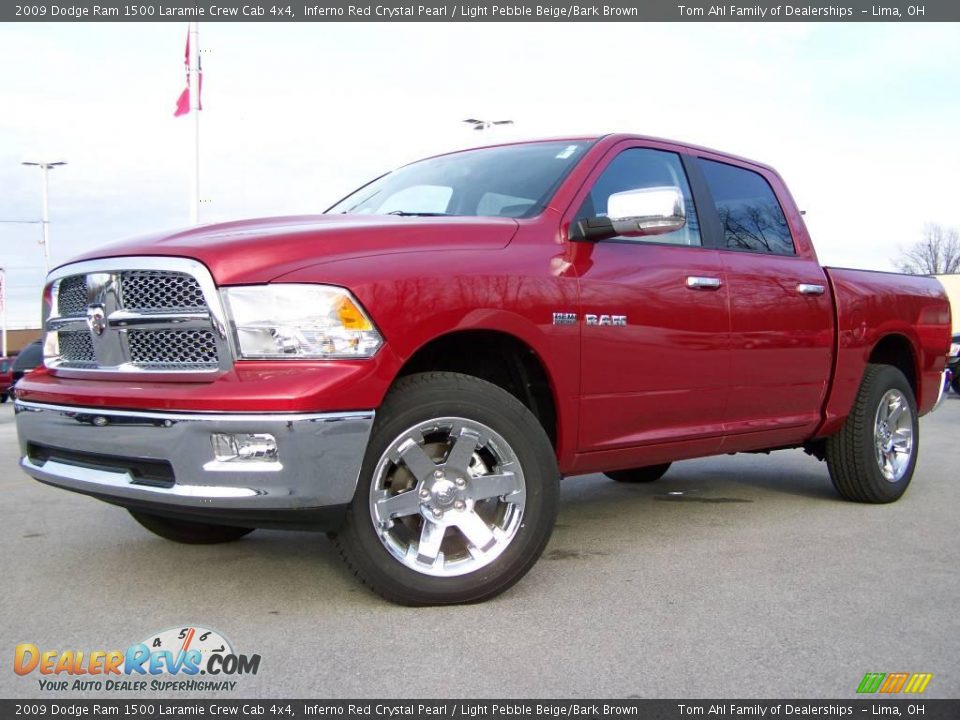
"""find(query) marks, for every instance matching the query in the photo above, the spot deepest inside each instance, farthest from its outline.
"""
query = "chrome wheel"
(893, 435)
(447, 496)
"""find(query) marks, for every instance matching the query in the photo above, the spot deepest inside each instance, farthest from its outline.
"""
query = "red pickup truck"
(414, 370)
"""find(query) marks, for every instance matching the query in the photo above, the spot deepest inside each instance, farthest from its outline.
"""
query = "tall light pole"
(46, 167)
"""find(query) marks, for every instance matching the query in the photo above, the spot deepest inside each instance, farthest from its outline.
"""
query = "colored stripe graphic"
(918, 682)
(893, 683)
(871, 682)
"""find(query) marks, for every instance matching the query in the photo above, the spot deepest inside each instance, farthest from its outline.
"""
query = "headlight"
(300, 321)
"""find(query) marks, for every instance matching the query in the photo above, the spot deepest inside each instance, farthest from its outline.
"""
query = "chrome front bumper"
(85, 449)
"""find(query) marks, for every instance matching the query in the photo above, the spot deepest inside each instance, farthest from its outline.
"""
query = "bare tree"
(938, 253)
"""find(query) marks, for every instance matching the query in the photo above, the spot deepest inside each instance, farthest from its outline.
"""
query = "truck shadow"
(280, 574)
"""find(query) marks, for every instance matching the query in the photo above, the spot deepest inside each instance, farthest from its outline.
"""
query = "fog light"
(244, 447)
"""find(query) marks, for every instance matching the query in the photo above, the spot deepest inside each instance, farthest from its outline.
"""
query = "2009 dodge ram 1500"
(415, 369)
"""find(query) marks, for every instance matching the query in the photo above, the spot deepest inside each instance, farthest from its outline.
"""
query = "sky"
(861, 119)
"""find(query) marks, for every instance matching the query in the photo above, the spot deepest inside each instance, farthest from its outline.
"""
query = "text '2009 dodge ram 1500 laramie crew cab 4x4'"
(414, 370)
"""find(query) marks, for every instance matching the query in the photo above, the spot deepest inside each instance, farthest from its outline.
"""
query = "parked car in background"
(6, 377)
(29, 358)
(953, 363)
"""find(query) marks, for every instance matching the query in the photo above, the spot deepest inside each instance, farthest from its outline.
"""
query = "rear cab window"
(751, 217)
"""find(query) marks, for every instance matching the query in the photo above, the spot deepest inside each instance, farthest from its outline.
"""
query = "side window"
(750, 214)
(637, 169)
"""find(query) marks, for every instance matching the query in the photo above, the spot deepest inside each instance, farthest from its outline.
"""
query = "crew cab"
(414, 370)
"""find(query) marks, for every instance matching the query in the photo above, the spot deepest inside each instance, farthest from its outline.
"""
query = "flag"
(183, 102)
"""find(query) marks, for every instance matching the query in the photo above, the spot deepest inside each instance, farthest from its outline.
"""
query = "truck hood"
(257, 251)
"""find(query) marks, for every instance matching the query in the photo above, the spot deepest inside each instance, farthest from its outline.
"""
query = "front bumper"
(164, 462)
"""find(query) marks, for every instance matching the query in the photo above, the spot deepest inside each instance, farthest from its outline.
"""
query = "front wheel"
(190, 533)
(873, 456)
(457, 495)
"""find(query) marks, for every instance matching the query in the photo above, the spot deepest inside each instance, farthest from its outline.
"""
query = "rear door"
(654, 319)
(781, 313)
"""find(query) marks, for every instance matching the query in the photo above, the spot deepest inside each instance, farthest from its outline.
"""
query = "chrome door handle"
(703, 283)
(807, 289)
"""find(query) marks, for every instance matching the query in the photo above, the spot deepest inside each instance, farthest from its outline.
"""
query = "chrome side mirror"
(635, 213)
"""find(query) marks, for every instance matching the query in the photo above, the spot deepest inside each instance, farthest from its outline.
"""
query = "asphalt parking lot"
(755, 581)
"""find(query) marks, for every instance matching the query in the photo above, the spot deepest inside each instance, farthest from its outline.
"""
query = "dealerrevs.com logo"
(190, 658)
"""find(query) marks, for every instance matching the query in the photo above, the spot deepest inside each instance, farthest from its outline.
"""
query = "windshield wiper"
(404, 213)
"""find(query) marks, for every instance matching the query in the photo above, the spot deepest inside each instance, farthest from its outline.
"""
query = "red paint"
(751, 365)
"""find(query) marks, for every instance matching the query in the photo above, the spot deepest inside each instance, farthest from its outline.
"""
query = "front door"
(654, 358)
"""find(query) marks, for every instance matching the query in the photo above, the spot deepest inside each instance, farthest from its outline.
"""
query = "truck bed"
(870, 304)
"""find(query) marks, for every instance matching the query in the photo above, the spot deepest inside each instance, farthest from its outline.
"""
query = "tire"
(4, 397)
(955, 382)
(418, 531)
(650, 473)
(187, 532)
(873, 456)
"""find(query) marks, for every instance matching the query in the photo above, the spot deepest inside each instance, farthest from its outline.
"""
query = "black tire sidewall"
(447, 395)
(888, 378)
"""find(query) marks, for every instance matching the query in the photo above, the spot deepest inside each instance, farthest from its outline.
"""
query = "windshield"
(508, 181)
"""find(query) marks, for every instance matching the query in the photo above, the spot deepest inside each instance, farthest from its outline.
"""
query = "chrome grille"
(147, 290)
(72, 299)
(146, 314)
(173, 348)
(76, 347)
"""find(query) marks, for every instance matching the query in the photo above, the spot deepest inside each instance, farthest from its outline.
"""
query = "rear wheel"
(457, 496)
(190, 533)
(650, 473)
(872, 458)
(955, 382)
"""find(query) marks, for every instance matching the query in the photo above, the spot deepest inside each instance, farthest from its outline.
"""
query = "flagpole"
(195, 109)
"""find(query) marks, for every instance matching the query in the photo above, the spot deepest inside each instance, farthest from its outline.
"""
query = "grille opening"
(173, 348)
(146, 290)
(76, 346)
(154, 473)
(72, 296)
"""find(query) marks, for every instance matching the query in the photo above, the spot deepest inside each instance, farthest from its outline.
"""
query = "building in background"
(18, 339)
(951, 283)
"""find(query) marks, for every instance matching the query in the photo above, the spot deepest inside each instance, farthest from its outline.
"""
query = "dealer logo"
(892, 683)
(181, 653)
